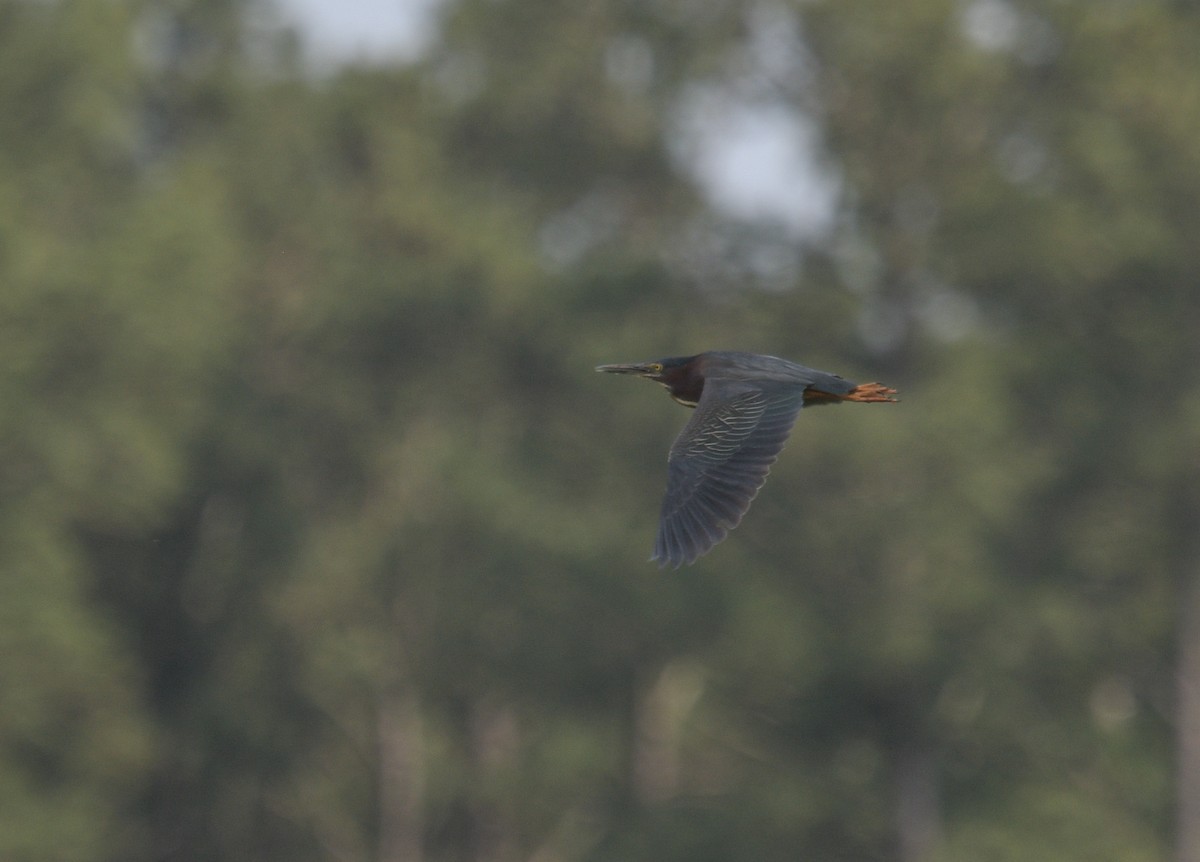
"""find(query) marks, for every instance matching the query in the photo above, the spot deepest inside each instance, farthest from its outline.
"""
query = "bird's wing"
(718, 463)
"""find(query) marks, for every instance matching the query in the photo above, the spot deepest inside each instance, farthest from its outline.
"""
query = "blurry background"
(320, 539)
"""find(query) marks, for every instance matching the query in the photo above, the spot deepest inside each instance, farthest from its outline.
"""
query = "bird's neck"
(684, 385)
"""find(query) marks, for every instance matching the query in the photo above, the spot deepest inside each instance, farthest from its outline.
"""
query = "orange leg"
(870, 392)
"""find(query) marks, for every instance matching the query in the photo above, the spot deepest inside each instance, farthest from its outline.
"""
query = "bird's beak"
(633, 368)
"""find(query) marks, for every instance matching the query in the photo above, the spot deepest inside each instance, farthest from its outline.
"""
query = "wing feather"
(719, 461)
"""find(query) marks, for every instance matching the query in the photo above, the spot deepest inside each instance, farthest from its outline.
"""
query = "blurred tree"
(98, 373)
(318, 545)
(1019, 176)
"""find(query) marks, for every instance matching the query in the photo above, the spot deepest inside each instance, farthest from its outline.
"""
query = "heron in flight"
(745, 406)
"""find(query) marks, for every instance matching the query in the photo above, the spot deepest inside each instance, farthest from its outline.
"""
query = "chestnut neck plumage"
(683, 379)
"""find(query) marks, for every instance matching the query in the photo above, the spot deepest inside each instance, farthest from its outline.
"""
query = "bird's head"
(661, 370)
(681, 375)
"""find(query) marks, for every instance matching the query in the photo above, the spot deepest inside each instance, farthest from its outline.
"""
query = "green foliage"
(320, 540)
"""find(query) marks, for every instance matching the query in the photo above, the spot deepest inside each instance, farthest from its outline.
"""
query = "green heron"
(745, 406)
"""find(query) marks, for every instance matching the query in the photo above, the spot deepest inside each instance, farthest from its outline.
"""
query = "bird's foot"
(870, 392)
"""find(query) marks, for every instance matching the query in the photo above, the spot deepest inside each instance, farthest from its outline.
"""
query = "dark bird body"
(745, 406)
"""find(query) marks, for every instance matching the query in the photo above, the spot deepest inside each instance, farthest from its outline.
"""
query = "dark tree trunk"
(918, 809)
(401, 778)
(1187, 726)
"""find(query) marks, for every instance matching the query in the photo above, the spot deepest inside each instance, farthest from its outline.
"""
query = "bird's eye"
(656, 367)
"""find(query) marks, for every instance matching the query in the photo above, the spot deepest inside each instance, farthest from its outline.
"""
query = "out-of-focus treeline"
(320, 539)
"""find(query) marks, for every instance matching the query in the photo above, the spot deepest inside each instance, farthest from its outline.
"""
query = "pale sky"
(337, 30)
(756, 162)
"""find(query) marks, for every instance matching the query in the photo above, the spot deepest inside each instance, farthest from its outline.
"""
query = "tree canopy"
(320, 540)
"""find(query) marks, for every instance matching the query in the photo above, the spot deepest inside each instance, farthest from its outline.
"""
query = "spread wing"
(718, 463)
